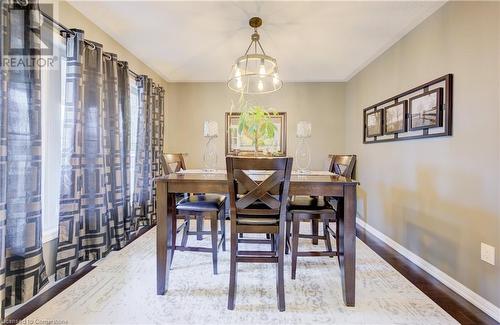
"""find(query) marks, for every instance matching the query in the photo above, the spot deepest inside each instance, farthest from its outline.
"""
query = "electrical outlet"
(488, 253)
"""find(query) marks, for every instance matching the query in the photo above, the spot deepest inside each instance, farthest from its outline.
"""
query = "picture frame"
(239, 145)
(395, 118)
(425, 110)
(374, 123)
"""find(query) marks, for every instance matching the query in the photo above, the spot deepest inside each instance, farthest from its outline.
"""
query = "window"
(53, 91)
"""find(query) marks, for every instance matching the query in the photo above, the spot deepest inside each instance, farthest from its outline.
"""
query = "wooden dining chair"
(343, 165)
(258, 206)
(199, 206)
(316, 209)
(173, 163)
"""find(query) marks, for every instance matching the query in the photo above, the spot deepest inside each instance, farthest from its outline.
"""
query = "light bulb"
(276, 79)
(262, 70)
(260, 85)
(237, 72)
(238, 83)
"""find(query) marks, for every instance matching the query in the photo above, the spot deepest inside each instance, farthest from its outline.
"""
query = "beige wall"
(190, 104)
(439, 197)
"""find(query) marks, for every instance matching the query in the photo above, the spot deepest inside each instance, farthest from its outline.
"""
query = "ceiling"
(312, 41)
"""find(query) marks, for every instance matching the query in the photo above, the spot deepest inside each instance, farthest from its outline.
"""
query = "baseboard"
(486, 306)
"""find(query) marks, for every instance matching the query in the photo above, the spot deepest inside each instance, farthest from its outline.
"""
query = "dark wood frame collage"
(444, 97)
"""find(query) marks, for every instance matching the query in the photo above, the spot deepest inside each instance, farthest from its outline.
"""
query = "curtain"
(115, 150)
(125, 147)
(95, 194)
(149, 148)
(22, 268)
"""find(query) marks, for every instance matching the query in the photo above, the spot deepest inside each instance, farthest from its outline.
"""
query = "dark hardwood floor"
(459, 308)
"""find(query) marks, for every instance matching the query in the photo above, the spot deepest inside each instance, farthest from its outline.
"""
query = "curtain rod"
(69, 31)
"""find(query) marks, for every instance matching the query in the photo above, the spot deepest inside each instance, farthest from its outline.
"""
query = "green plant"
(256, 123)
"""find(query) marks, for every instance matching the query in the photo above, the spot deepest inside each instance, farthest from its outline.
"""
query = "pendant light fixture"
(257, 72)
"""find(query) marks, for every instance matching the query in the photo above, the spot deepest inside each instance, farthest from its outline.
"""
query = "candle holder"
(210, 132)
(303, 152)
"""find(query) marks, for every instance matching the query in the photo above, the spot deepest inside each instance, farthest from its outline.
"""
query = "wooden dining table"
(342, 188)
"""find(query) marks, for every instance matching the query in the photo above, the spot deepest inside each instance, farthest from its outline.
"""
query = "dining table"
(313, 183)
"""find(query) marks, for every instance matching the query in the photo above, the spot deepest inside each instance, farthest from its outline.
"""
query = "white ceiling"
(312, 41)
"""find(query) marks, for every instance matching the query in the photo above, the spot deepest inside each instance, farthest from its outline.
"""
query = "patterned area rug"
(122, 290)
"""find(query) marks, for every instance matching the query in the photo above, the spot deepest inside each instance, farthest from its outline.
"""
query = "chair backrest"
(267, 190)
(172, 162)
(343, 165)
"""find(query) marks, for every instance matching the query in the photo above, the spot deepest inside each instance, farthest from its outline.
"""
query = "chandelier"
(257, 72)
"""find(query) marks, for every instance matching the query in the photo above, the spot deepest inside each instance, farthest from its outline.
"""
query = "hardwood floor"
(459, 308)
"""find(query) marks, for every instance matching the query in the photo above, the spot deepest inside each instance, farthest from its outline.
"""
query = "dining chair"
(173, 163)
(258, 206)
(199, 206)
(316, 209)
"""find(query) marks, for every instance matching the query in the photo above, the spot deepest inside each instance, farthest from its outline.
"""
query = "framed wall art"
(374, 123)
(240, 144)
(424, 111)
(395, 117)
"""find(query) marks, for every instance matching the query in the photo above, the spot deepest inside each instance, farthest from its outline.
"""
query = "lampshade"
(255, 73)
(210, 129)
(304, 129)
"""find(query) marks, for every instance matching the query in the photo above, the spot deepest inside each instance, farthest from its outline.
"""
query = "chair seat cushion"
(256, 220)
(201, 202)
(310, 204)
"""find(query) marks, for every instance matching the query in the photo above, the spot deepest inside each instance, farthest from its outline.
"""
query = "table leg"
(346, 217)
(314, 231)
(163, 239)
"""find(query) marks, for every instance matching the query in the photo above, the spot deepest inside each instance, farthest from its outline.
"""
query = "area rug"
(122, 290)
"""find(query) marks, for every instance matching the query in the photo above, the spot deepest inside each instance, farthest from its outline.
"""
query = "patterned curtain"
(22, 269)
(94, 204)
(148, 150)
(115, 153)
(125, 147)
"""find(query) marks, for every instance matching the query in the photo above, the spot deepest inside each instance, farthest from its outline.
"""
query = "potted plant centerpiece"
(256, 124)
